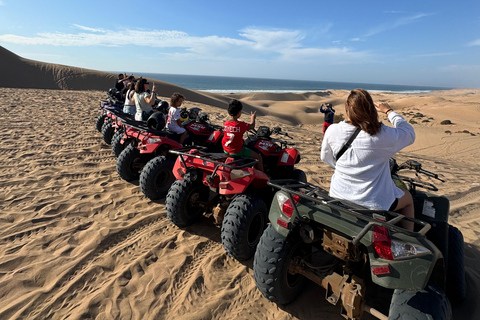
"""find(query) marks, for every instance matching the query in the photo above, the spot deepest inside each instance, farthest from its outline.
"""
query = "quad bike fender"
(288, 157)
(237, 182)
(198, 129)
(179, 169)
(215, 136)
(275, 217)
(162, 142)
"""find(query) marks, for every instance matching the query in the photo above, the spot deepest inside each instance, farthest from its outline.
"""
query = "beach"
(78, 242)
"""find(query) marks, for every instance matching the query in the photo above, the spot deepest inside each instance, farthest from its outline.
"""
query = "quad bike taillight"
(389, 249)
(287, 208)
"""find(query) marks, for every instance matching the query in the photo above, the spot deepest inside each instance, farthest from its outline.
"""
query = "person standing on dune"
(329, 112)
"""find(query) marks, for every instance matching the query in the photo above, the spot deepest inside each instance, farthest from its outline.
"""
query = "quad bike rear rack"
(141, 126)
(320, 196)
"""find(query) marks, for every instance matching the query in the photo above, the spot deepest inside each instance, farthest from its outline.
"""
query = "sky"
(409, 42)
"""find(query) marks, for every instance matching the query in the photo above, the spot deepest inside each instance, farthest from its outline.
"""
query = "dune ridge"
(77, 242)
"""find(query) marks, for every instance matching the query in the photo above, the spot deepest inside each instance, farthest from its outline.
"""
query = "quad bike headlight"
(402, 250)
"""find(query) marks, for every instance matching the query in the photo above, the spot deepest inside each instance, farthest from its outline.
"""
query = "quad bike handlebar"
(415, 182)
(266, 133)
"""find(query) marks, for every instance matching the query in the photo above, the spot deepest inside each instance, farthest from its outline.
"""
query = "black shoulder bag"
(347, 144)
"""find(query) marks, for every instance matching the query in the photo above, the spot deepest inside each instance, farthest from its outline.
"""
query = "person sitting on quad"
(129, 106)
(143, 100)
(234, 129)
(362, 174)
(119, 85)
(174, 123)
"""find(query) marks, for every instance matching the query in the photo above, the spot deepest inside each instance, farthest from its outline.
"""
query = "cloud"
(273, 39)
(474, 43)
(252, 43)
(88, 28)
(397, 23)
(438, 54)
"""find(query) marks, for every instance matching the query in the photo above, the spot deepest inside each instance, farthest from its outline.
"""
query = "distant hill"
(18, 72)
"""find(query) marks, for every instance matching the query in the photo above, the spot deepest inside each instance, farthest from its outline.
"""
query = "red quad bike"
(149, 142)
(113, 126)
(200, 130)
(231, 188)
(146, 156)
(117, 122)
(112, 102)
(156, 177)
(364, 259)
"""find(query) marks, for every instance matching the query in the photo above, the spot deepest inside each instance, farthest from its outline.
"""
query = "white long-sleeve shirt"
(362, 174)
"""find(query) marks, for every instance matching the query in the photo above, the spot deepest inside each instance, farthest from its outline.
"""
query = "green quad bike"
(363, 257)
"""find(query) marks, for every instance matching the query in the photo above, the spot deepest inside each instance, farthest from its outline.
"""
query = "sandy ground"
(77, 242)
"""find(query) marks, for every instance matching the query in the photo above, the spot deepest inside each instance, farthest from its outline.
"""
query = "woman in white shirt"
(143, 100)
(129, 106)
(362, 174)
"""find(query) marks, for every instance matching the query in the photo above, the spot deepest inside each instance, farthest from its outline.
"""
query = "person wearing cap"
(329, 112)
(143, 100)
(174, 123)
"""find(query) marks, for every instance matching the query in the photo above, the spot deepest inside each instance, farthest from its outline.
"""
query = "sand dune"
(77, 242)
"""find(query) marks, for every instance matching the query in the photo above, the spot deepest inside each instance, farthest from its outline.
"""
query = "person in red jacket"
(234, 129)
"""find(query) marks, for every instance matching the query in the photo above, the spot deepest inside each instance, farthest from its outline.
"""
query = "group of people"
(358, 148)
(140, 99)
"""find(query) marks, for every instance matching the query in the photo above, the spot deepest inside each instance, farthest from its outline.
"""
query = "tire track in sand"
(43, 305)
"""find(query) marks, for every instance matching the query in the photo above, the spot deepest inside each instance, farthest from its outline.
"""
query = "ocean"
(237, 85)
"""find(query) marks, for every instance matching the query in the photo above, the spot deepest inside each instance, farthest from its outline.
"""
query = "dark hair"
(120, 76)
(140, 85)
(234, 107)
(362, 112)
(175, 98)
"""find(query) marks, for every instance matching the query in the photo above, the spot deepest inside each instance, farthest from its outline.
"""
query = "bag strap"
(347, 144)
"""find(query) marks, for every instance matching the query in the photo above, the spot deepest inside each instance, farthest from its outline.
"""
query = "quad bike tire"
(117, 146)
(270, 267)
(428, 304)
(245, 219)
(181, 206)
(130, 163)
(157, 177)
(100, 121)
(107, 132)
(456, 285)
